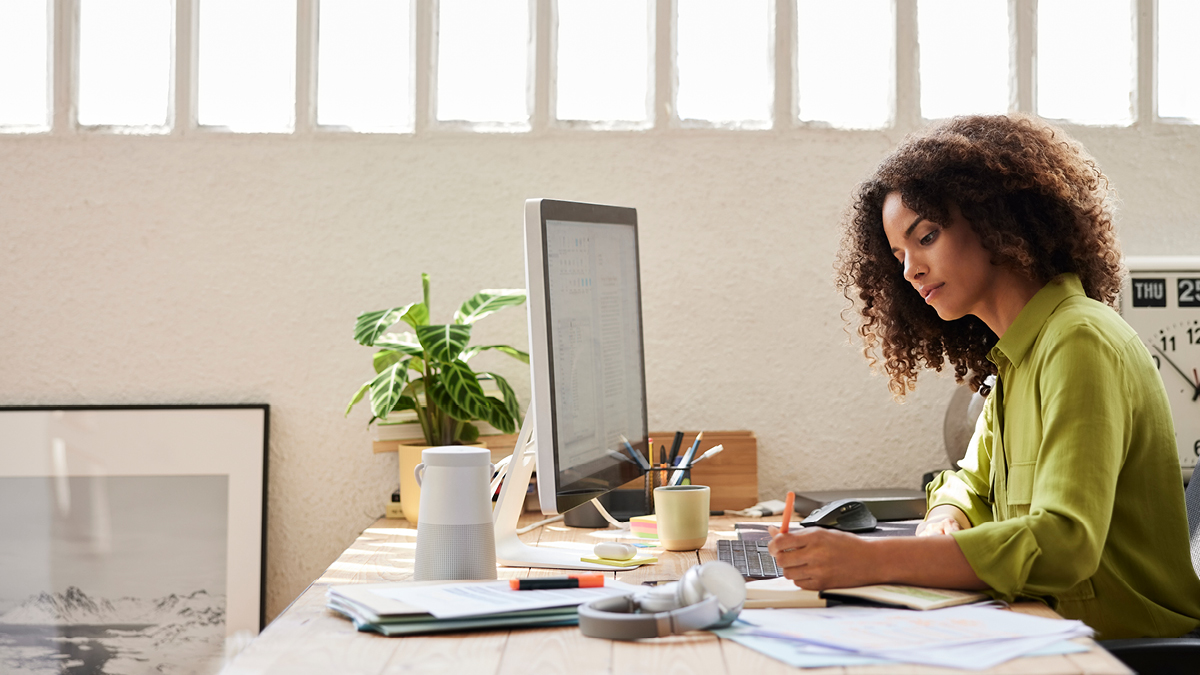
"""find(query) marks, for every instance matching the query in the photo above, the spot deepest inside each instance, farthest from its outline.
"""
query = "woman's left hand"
(816, 558)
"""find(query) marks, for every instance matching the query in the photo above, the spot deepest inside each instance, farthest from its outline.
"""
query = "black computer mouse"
(844, 514)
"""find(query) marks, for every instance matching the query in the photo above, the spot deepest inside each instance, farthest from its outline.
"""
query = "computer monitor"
(588, 413)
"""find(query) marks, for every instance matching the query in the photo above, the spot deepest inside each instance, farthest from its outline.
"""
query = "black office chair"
(1167, 656)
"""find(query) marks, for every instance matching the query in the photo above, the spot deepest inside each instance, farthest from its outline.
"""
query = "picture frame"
(132, 538)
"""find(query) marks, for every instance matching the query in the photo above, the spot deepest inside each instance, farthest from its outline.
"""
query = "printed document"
(958, 637)
(452, 601)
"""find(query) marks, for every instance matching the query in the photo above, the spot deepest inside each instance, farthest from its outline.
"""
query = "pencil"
(788, 505)
(675, 448)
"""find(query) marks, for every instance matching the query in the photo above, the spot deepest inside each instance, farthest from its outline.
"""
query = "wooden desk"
(307, 638)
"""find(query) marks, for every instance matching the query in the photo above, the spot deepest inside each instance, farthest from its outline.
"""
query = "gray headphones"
(708, 596)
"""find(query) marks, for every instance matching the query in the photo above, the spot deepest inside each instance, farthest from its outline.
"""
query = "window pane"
(723, 61)
(1179, 59)
(248, 65)
(24, 64)
(483, 60)
(844, 70)
(1085, 61)
(364, 65)
(603, 60)
(125, 62)
(964, 57)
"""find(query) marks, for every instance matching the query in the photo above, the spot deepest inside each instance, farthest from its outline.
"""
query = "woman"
(987, 244)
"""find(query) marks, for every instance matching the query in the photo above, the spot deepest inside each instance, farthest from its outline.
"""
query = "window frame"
(63, 66)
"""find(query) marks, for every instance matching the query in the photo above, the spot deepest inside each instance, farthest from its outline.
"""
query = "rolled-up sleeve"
(1062, 491)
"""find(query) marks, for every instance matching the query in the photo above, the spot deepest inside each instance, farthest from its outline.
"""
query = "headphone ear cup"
(691, 587)
(660, 598)
(726, 584)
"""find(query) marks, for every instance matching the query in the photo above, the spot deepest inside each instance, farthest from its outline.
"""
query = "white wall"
(222, 269)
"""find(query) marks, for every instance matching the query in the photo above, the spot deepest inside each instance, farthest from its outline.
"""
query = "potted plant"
(427, 370)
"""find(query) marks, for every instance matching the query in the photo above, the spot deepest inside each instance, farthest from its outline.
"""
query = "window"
(247, 68)
(483, 58)
(1179, 59)
(24, 65)
(603, 64)
(723, 60)
(964, 57)
(125, 62)
(1085, 61)
(364, 65)
(844, 62)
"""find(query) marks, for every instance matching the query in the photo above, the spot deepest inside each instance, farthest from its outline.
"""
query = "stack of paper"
(778, 593)
(961, 637)
(413, 607)
(644, 527)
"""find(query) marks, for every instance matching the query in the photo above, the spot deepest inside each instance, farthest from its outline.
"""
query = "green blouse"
(1072, 485)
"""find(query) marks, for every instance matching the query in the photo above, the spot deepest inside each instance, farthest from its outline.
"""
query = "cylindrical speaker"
(455, 551)
(455, 537)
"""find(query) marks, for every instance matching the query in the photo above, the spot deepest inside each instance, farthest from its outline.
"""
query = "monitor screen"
(589, 388)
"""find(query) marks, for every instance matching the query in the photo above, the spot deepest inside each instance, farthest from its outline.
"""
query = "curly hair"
(1035, 198)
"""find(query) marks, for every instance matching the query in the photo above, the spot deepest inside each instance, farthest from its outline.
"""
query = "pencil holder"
(660, 475)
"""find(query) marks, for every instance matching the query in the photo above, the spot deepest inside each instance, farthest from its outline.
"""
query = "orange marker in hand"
(788, 506)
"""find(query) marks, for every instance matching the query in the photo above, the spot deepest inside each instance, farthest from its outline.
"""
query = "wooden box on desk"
(732, 475)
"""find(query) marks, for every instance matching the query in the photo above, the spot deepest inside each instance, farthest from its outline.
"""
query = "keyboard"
(748, 557)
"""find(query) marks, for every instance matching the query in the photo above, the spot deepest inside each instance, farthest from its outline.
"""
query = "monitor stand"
(510, 550)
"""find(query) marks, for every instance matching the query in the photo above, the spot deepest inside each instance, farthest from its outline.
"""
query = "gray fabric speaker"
(455, 551)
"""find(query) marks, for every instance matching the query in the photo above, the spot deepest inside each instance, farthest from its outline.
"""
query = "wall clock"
(1161, 300)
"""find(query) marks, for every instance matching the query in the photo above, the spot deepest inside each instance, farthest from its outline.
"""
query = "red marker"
(594, 580)
(788, 505)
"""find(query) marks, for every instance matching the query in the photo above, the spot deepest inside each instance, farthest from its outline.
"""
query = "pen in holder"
(659, 475)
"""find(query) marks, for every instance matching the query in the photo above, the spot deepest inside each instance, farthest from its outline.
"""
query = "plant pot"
(410, 491)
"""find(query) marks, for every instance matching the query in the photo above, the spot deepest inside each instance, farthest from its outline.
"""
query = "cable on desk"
(530, 528)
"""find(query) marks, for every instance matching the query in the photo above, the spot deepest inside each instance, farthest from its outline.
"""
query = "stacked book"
(423, 607)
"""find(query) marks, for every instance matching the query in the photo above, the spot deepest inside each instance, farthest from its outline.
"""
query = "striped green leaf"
(511, 351)
(403, 342)
(487, 301)
(500, 417)
(358, 396)
(437, 392)
(458, 383)
(512, 407)
(386, 388)
(386, 358)
(370, 325)
(444, 343)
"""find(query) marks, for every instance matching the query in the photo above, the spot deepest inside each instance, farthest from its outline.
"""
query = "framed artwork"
(132, 538)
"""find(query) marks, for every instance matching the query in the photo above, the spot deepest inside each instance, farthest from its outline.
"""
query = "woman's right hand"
(928, 528)
(942, 519)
